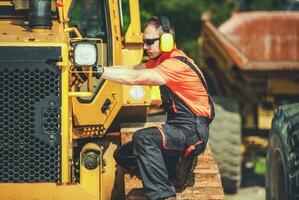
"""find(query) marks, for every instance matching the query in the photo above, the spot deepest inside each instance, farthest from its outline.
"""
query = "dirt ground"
(248, 193)
(252, 187)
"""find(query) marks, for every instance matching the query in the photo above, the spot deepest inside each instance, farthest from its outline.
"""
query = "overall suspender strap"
(187, 62)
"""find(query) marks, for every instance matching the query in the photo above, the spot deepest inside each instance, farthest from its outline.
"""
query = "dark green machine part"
(30, 104)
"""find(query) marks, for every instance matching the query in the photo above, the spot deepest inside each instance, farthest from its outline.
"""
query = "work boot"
(184, 176)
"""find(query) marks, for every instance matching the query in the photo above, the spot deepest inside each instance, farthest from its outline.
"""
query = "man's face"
(151, 43)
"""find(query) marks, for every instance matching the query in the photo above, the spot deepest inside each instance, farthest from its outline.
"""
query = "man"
(154, 152)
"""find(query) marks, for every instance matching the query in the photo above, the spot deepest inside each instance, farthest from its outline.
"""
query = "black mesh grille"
(29, 122)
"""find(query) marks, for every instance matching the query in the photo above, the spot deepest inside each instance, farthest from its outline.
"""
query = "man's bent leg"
(184, 176)
(126, 159)
(147, 147)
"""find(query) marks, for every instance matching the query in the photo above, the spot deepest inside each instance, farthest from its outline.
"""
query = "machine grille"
(29, 121)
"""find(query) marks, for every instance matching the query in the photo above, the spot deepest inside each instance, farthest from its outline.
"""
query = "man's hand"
(97, 71)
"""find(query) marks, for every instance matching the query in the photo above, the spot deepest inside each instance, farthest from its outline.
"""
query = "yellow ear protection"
(166, 39)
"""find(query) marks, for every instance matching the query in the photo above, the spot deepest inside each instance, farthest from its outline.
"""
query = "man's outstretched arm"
(120, 74)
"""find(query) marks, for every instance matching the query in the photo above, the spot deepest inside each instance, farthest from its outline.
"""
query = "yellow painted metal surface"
(265, 118)
(81, 94)
(108, 172)
(91, 114)
(132, 54)
(90, 180)
(133, 34)
(43, 191)
(14, 33)
(116, 32)
(136, 95)
(155, 93)
(99, 181)
(66, 142)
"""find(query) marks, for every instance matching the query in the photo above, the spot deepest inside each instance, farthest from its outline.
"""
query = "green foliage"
(185, 16)
(261, 5)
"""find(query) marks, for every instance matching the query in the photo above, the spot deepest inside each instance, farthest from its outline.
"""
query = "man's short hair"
(155, 21)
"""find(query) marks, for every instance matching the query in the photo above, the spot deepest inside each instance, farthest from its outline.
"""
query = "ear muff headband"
(166, 39)
(165, 24)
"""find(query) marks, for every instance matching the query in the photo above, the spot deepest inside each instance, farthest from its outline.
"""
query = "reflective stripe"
(192, 147)
(174, 106)
(163, 137)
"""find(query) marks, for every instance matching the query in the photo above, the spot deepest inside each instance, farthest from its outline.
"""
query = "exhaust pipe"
(39, 16)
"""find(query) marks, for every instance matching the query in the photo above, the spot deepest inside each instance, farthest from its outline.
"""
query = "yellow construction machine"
(55, 110)
(60, 122)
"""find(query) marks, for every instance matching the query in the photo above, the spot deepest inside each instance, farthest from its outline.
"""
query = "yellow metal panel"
(90, 180)
(108, 173)
(133, 35)
(133, 51)
(14, 33)
(132, 55)
(100, 181)
(66, 142)
(116, 32)
(136, 95)
(43, 191)
(91, 114)
(65, 9)
(264, 118)
(81, 94)
(155, 93)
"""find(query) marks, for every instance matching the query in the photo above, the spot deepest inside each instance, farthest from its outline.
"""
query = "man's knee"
(117, 155)
(123, 152)
(139, 137)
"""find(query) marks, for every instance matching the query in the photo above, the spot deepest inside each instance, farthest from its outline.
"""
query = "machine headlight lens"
(85, 54)
(137, 92)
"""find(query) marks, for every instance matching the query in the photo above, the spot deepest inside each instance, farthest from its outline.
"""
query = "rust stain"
(262, 40)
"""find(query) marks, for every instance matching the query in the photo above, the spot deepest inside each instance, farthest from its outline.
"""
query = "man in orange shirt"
(154, 152)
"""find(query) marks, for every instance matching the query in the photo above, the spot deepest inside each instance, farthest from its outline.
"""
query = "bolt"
(52, 103)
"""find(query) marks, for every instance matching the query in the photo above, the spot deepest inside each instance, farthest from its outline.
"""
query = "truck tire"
(225, 141)
(283, 154)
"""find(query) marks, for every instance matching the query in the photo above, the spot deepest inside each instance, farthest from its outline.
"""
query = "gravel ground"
(252, 187)
(248, 193)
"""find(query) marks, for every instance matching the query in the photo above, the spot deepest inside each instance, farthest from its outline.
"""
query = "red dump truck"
(251, 62)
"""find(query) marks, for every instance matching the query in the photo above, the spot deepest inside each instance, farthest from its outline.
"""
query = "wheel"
(283, 154)
(225, 141)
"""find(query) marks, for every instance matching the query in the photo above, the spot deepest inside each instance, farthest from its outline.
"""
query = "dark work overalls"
(154, 152)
